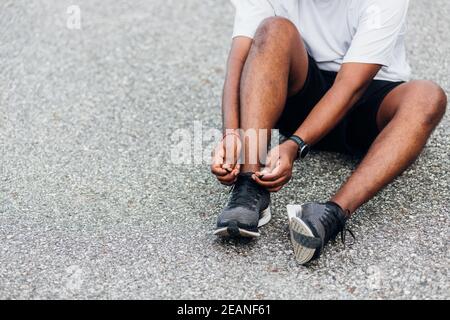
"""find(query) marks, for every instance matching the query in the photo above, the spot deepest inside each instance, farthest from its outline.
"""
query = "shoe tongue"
(246, 176)
(244, 192)
(247, 180)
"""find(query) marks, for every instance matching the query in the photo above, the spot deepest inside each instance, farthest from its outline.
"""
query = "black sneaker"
(246, 211)
(312, 226)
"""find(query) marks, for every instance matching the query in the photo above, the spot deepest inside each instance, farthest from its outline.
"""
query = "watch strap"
(301, 145)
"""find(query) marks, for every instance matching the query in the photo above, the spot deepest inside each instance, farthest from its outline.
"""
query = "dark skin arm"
(240, 48)
(350, 84)
(226, 168)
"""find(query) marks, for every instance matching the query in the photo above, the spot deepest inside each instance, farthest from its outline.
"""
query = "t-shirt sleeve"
(249, 15)
(380, 24)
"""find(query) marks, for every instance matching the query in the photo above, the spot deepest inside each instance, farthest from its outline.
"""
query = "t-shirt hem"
(246, 35)
(368, 61)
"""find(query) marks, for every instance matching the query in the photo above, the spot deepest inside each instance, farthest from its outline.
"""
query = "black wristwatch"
(303, 147)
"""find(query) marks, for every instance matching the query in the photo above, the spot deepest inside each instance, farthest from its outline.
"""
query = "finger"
(217, 162)
(279, 186)
(228, 176)
(271, 164)
(228, 179)
(272, 157)
(263, 172)
(275, 174)
(229, 166)
(217, 158)
(230, 153)
(236, 170)
(274, 190)
(271, 184)
(218, 170)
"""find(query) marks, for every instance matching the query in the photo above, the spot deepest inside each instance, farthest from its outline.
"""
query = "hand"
(278, 170)
(225, 159)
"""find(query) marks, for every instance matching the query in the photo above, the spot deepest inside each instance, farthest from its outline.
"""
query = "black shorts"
(356, 132)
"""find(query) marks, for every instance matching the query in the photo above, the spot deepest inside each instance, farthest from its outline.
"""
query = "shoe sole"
(232, 230)
(302, 254)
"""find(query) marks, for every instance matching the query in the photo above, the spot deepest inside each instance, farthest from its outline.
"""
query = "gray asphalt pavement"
(91, 206)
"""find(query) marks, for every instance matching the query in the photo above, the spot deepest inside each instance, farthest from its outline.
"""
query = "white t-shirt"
(339, 31)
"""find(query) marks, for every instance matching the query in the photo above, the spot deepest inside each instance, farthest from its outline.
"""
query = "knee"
(275, 29)
(430, 102)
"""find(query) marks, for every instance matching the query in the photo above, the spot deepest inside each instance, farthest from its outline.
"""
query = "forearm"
(328, 112)
(240, 48)
(230, 95)
(350, 84)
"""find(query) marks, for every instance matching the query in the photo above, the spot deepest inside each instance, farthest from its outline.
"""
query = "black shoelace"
(244, 193)
(344, 232)
(333, 226)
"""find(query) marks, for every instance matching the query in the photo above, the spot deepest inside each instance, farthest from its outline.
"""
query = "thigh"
(362, 123)
(299, 65)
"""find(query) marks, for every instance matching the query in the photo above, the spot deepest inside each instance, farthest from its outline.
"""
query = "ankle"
(345, 207)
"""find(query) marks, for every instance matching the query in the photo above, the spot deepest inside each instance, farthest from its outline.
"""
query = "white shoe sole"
(302, 253)
(265, 218)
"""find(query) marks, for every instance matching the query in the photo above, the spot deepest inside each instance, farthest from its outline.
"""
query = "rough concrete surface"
(91, 206)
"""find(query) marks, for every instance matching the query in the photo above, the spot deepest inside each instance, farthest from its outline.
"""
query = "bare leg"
(276, 67)
(407, 116)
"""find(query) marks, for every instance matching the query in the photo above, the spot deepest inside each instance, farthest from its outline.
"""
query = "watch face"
(304, 151)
